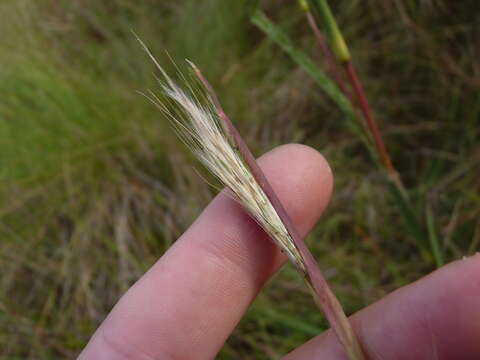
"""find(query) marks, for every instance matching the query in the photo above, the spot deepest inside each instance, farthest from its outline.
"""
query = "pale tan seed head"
(198, 124)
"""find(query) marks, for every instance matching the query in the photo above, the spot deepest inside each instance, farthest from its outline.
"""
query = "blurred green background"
(94, 186)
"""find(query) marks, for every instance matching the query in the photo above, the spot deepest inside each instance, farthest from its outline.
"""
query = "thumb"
(437, 317)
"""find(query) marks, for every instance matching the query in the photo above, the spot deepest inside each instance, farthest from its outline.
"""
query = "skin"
(188, 303)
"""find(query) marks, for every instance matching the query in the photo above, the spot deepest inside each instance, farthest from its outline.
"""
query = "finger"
(186, 305)
(435, 318)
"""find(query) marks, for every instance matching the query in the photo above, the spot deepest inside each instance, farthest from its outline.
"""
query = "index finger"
(187, 304)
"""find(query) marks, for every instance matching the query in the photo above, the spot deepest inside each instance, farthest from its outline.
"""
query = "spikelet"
(197, 123)
(200, 122)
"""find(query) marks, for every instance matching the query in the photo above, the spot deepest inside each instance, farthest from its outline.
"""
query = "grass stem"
(340, 50)
(312, 275)
(433, 238)
(322, 42)
(368, 116)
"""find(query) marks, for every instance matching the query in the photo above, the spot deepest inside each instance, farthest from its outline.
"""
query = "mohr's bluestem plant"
(202, 124)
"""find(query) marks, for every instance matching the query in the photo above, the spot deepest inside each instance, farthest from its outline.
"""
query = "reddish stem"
(327, 53)
(320, 38)
(371, 123)
(361, 100)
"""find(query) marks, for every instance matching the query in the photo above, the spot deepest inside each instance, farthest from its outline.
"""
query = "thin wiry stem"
(329, 57)
(342, 54)
(311, 273)
(372, 126)
(368, 116)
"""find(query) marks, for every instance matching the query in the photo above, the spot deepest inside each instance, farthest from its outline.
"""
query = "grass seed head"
(197, 122)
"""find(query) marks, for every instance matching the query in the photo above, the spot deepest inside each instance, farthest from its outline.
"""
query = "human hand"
(187, 304)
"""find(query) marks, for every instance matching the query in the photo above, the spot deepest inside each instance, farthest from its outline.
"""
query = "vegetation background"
(94, 186)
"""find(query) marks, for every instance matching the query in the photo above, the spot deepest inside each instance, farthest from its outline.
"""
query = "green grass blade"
(322, 10)
(252, 6)
(292, 322)
(280, 38)
(433, 238)
(408, 214)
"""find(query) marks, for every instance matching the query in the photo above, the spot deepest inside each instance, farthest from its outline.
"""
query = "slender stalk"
(339, 47)
(368, 116)
(433, 238)
(322, 42)
(318, 35)
(340, 50)
(314, 278)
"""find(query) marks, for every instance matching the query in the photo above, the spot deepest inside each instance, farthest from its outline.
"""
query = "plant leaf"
(307, 64)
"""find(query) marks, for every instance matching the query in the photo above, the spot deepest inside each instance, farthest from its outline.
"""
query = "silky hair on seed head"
(197, 123)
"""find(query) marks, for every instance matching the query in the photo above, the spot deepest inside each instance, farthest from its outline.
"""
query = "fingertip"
(192, 298)
(300, 177)
(436, 317)
(303, 180)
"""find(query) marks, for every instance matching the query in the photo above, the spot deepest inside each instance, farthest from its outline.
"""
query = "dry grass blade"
(203, 125)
